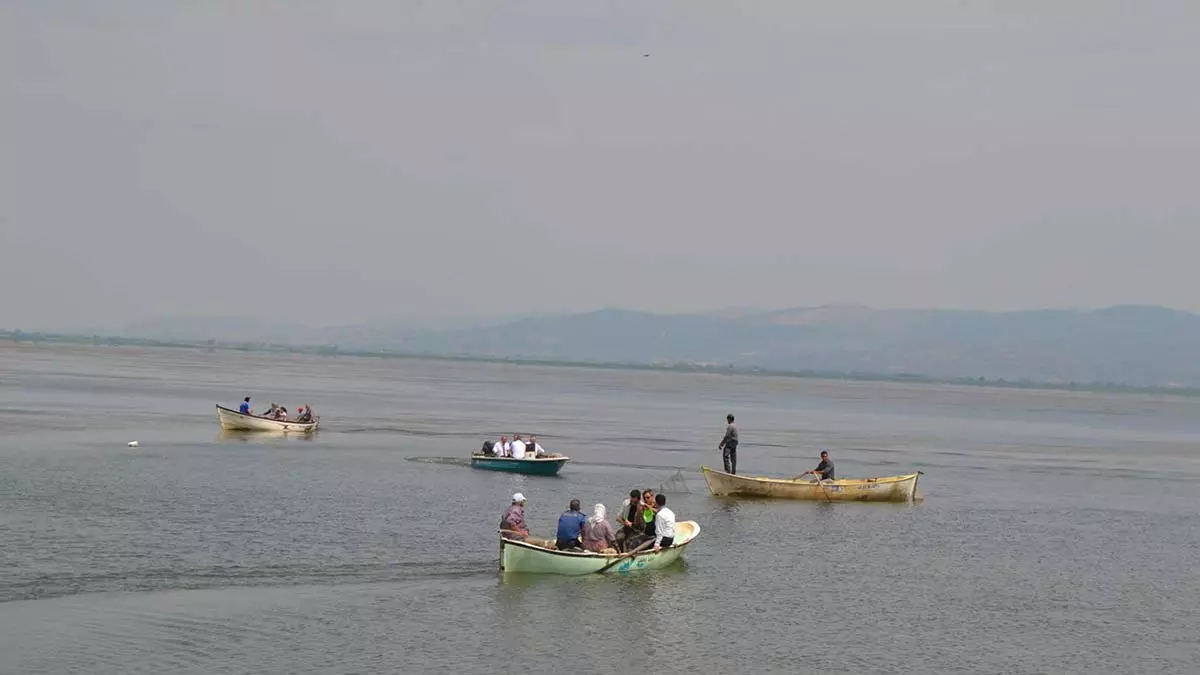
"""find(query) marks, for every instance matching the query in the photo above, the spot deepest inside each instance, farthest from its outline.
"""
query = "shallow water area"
(1057, 534)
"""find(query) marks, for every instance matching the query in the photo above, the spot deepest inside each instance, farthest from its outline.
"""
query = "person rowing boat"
(824, 470)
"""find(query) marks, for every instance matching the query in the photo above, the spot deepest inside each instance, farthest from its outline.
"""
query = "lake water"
(1058, 532)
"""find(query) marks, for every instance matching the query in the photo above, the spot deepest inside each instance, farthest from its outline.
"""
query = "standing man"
(664, 523)
(570, 527)
(824, 470)
(728, 446)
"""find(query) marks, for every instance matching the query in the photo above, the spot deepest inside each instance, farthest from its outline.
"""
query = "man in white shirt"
(518, 447)
(664, 523)
(501, 448)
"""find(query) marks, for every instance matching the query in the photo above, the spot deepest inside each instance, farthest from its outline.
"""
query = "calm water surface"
(1059, 532)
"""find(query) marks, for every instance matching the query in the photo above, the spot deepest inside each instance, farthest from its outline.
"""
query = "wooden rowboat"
(549, 465)
(518, 556)
(885, 489)
(233, 420)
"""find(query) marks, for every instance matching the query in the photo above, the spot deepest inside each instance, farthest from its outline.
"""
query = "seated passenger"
(512, 523)
(664, 524)
(644, 526)
(627, 518)
(537, 450)
(244, 408)
(598, 534)
(570, 527)
(649, 510)
(518, 447)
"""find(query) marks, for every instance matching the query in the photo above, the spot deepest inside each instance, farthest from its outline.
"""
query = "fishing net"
(676, 484)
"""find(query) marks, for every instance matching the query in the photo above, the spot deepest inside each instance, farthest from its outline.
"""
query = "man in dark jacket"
(728, 446)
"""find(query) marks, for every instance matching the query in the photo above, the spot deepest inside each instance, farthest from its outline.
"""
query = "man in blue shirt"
(245, 407)
(570, 526)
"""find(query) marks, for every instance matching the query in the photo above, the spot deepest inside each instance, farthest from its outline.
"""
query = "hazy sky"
(329, 162)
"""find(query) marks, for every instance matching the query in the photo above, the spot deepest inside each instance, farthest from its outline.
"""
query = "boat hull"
(520, 557)
(232, 420)
(541, 466)
(885, 489)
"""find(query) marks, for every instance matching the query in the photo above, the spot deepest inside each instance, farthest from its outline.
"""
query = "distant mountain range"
(1134, 345)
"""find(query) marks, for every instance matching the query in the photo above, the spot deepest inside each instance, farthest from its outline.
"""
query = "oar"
(619, 559)
(818, 480)
(823, 490)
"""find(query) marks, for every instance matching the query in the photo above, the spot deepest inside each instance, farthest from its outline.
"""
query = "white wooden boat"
(518, 556)
(886, 489)
(233, 420)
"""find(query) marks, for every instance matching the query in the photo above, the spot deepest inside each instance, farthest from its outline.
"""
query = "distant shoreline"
(729, 369)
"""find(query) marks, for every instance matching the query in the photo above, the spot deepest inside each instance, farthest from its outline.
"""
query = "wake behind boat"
(885, 489)
(232, 420)
(520, 556)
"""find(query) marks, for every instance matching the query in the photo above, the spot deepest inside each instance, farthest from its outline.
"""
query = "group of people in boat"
(304, 414)
(643, 518)
(516, 448)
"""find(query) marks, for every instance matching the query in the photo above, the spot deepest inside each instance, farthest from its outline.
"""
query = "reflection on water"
(243, 436)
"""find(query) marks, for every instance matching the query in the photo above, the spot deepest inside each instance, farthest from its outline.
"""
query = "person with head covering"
(598, 536)
(513, 521)
(306, 414)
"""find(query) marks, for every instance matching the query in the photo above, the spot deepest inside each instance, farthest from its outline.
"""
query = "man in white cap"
(513, 522)
(513, 526)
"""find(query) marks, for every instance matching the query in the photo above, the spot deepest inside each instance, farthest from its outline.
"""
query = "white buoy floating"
(132, 444)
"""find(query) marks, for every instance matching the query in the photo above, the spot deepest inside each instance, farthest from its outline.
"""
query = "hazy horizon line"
(467, 320)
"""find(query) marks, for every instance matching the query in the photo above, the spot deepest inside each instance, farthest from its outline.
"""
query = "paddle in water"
(642, 546)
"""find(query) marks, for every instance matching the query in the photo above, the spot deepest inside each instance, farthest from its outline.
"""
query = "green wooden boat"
(549, 465)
